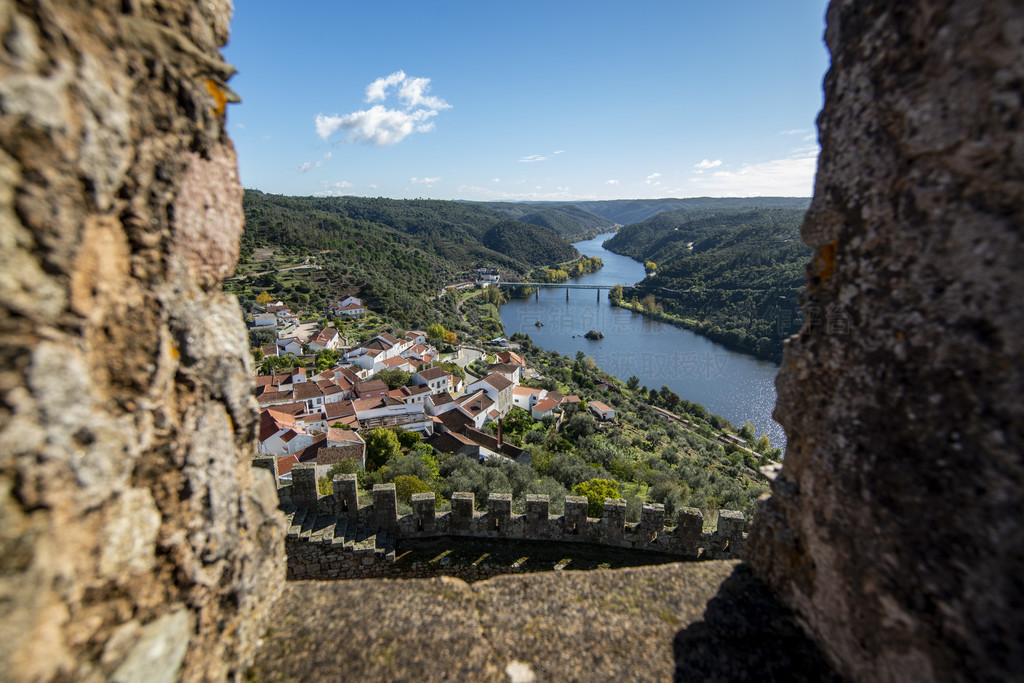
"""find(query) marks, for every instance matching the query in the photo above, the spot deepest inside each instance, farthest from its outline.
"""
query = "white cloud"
(372, 187)
(795, 131)
(561, 151)
(611, 182)
(239, 125)
(651, 179)
(335, 190)
(328, 155)
(424, 181)
(707, 163)
(380, 125)
(495, 180)
(378, 90)
(789, 177)
(533, 157)
(309, 166)
(265, 137)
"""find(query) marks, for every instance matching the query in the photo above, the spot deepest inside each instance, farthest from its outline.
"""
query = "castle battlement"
(317, 517)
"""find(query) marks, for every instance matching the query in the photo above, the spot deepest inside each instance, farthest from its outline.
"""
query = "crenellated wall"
(352, 542)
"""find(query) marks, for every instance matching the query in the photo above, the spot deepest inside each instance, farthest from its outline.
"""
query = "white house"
(264, 320)
(478, 406)
(290, 345)
(438, 379)
(498, 388)
(543, 408)
(526, 397)
(280, 435)
(411, 395)
(601, 411)
(327, 338)
(351, 310)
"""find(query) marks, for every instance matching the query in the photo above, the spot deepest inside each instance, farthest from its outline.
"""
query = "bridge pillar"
(566, 293)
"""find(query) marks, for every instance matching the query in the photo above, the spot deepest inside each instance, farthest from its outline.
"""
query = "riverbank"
(726, 338)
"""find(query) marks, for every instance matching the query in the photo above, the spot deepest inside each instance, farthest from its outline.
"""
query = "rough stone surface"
(126, 421)
(638, 624)
(894, 527)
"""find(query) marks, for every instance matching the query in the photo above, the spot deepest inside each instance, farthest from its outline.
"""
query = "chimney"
(499, 432)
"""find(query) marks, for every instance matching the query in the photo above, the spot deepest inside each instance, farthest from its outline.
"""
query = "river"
(736, 386)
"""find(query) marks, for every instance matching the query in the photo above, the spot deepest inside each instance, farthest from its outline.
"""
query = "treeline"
(584, 265)
(734, 276)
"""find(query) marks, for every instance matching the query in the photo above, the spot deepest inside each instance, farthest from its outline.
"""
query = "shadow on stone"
(747, 635)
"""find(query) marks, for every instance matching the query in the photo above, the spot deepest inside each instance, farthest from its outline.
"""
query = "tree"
(517, 421)
(650, 266)
(393, 377)
(407, 439)
(579, 426)
(747, 432)
(596, 490)
(327, 358)
(450, 338)
(633, 383)
(381, 445)
(406, 485)
(264, 298)
(435, 332)
(615, 295)
(261, 336)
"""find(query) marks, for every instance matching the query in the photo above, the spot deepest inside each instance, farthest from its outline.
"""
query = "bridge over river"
(556, 285)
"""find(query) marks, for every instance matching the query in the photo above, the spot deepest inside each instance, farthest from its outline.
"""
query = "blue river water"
(736, 386)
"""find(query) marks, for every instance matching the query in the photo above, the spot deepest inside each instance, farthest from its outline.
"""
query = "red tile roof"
(499, 382)
(545, 406)
(433, 373)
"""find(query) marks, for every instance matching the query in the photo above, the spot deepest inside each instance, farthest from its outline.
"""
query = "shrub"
(406, 485)
(596, 490)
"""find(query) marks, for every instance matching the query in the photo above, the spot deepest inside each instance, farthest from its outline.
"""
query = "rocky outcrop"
(130, 519)
(894, 528)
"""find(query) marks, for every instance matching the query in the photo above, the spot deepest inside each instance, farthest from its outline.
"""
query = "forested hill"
(396, 254)
(734, 275)
(577, 220)
(460, 235)
(568, 220)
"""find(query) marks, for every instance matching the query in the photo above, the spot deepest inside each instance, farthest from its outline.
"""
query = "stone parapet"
(687, 539)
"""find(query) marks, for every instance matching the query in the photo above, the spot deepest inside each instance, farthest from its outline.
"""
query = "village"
(314, 415)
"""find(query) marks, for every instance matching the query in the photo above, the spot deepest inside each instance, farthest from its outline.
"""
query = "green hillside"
(732, 275)
(629, 211)
(396, 254)
(568, 220)
(583, 219)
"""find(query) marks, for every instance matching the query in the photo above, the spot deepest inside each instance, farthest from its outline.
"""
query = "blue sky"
(555, 100)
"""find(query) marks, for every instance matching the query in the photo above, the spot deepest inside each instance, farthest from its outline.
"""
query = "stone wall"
(894, 527)
(331, 537)
(130, 519)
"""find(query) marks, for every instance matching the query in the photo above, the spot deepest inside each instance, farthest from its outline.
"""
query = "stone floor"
(700, 621)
